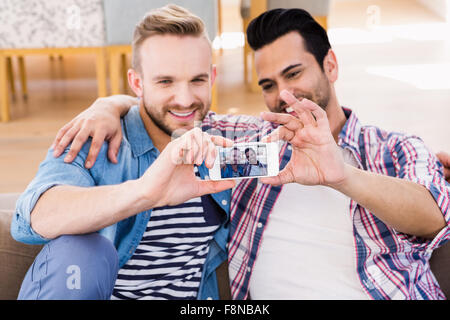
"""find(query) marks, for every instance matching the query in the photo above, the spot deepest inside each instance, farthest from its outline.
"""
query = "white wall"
(440, 7)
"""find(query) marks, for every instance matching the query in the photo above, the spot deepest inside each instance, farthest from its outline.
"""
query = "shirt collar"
(349, 135)
(141, 143)
(136, 133)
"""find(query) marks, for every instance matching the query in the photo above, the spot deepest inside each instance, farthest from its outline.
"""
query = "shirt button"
(249, 269)
(209, 298)
(289, 147)
(224, 202)
(260, 224)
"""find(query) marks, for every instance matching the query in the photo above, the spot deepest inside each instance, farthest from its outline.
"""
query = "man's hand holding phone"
(171, 180)
(316, 159)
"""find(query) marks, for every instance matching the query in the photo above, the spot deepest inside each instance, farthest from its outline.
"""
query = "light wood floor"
(394, 75)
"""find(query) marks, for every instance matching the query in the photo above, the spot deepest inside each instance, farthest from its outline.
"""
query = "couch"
(16, 258)
(49, 27)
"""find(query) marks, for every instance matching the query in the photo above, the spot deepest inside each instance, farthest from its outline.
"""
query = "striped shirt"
(389, 264)
(168, 261)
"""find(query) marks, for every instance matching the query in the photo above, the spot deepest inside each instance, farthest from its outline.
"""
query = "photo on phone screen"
(245, 160)
(238, 162)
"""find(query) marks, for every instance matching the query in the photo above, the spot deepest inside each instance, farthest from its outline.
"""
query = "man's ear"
(330, 66)
(136, 82)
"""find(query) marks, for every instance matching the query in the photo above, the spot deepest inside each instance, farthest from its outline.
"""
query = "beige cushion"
(15, 257)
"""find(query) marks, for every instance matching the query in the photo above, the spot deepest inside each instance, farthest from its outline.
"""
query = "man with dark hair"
(254, 167)
(355, 212)
(275, 23)
(303, 30)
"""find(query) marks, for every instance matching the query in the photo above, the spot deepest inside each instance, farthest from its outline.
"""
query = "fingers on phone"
(283, 177)
(196, 147)
(210, 155)
(281, 133)
(221, 141)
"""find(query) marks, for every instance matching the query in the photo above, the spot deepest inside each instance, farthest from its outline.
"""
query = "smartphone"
(246, 160)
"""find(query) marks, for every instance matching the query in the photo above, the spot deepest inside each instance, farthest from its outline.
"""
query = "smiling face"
(251, 156)
(286, 64)
(175, 80)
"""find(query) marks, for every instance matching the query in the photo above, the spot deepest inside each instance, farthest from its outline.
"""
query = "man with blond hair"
(132, 230)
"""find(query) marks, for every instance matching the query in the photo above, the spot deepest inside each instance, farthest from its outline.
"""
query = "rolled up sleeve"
(416, 163)
(52, 172)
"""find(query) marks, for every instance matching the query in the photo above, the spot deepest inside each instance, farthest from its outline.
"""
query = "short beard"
(158, 121)
(323, 95)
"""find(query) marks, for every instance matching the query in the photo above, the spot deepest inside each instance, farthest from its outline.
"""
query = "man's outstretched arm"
(78, 210)
(170, 180)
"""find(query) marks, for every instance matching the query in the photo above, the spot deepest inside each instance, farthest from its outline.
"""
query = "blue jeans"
(78, 267)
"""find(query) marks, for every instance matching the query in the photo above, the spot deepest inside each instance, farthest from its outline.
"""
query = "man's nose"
(184, 96)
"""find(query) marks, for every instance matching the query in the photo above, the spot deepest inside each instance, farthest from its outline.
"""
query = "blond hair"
(171, 19)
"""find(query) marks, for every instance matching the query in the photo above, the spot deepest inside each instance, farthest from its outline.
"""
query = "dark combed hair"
(275, 23)
(248, 149)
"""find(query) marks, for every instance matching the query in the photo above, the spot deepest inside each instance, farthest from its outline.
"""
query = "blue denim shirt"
(136, 154)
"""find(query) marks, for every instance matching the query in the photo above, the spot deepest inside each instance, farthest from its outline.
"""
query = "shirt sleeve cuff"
(441, 194)
(21, 229)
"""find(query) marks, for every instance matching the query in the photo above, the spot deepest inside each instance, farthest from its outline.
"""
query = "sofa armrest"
(15, 257)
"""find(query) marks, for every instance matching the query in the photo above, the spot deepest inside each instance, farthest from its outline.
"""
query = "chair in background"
(49, 27)
(250, 9)
(22, 75)
(121, 18)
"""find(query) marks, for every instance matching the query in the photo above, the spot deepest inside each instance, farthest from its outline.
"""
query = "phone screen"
(243, 161)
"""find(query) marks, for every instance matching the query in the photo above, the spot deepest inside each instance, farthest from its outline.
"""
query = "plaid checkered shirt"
(389, 264)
